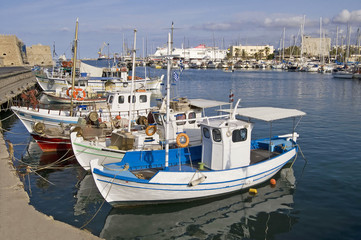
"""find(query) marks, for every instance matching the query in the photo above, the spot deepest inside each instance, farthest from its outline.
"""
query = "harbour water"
(316, 198)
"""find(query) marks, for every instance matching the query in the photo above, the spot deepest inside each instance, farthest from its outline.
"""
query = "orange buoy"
(118, 117)
(273, 181)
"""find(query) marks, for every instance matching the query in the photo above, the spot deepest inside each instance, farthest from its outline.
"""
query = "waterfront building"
(251, 51)
(201, 52)
(314, 47)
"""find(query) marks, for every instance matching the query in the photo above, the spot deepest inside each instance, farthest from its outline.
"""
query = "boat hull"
(96, 85)
(52, 144)
(52, 98)
(85, 151)
(172, 186)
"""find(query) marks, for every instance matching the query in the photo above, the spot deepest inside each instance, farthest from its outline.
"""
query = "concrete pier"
(18, 219)
(13, 81)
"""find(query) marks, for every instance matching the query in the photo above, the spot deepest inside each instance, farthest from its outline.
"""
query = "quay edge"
(18, 219)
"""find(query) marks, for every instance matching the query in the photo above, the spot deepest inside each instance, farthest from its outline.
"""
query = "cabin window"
(192, 115)
(143, 98)
(206, 132)
(110, 99)
(216, 133)
(121, 99)
(180, 117)
(239, 135)
(133, 99)
(158, 119)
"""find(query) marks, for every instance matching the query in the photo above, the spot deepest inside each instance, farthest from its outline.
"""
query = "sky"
(111, 23)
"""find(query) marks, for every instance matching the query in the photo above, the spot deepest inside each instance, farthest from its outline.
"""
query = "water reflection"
(240, 215)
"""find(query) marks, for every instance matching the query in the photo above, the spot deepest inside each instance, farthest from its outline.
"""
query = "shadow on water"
(259, 216)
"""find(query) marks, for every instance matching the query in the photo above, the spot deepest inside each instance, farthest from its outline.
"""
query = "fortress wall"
(39, 55)
(10, 50)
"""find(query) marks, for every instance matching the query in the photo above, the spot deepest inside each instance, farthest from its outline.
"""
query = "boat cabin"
(226, 144)
(185, 116)
(182, 119)
(119, 101)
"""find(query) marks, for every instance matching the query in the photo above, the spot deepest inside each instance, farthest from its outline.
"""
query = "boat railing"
(77, 110)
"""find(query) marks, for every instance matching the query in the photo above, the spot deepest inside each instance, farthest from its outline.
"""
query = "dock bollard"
(201, 166)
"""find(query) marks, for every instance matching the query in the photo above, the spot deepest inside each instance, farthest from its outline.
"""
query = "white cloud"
(215, 26)
(283, 21)
(346, 16)
(64, 29)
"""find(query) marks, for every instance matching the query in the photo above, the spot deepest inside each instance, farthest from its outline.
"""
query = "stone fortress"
(13, 52)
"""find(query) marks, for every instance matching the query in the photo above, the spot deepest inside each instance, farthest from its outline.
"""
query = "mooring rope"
(101, 205)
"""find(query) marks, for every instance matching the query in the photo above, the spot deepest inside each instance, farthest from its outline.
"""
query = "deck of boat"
(257, 155)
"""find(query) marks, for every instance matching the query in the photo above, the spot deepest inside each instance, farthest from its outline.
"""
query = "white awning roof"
(267, 114)
(205, 103)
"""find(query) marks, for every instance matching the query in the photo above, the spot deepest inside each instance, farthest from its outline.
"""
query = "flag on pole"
(175, 76)
(181, 66)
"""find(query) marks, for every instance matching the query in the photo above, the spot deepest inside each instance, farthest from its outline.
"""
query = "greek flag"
(175, 76)
(181, 66)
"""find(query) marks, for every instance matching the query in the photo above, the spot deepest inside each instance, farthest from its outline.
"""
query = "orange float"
(77, 92)
(273, 181)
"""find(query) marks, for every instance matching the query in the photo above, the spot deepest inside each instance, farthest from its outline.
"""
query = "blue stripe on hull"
(39, 118)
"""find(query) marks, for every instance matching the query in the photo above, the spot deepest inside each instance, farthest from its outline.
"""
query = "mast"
(283, 44)
(336, 42)
(302, 33)
(321, 53)
(74, 66)
(348, 42)
(169, 58)
(132, 85)
(358, 41)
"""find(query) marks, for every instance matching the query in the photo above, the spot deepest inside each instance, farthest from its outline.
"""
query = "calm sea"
(316, 198)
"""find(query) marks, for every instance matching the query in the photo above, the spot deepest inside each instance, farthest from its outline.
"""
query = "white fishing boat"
(229, 161)
(79, 95)
(119, 105)
(99, 84)
(185, 117)
(36, 120)
(342, 74)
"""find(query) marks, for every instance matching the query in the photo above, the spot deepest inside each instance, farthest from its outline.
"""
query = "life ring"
(67, 91)
(140, 90)
(76, 92)
(150, 133)
(179, 143)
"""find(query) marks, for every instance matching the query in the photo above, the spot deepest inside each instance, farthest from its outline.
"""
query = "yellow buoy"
(253, 190)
